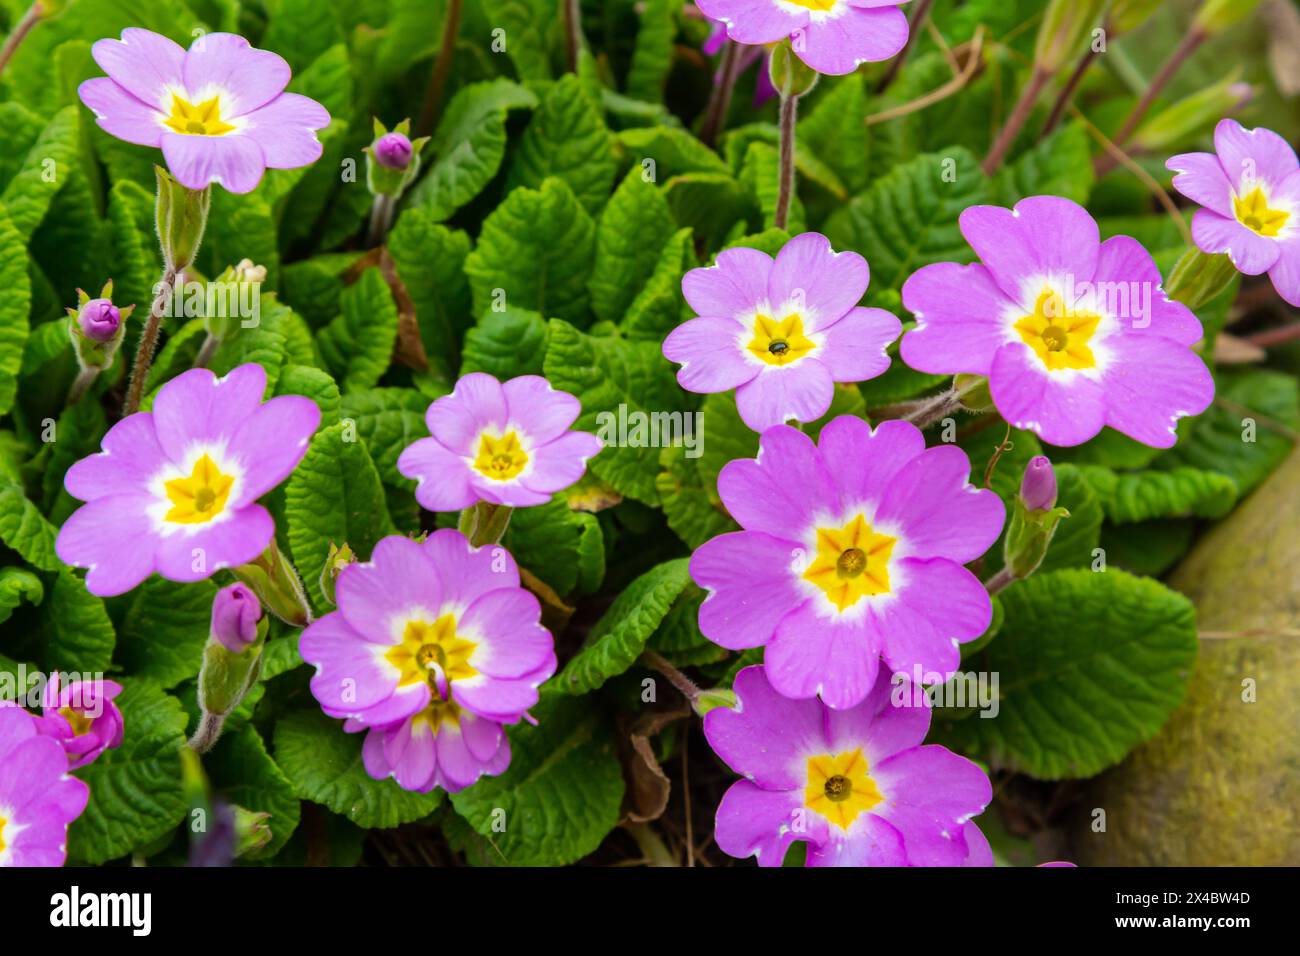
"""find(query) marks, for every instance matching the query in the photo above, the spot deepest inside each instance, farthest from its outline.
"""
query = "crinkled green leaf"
(18, 585)
(241, 770)
(135, 789)
(506, 344)
(556, 802)
(430, 261)
(535, 248)
(634, 225)
(13, 308)
(567, 139)
(1060, 165)
(358, 345)
(389, 420)
(46, 169)
(1179, 492)
(657, 307)
(323, 764)
(162, 627)
(1090, 665)
(25, 530)
(553, 542)
(620, 636)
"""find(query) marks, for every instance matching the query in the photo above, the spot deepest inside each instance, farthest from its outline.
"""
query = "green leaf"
(1090, 665)
(691, 503)
(430, 260)
(908, 218)
(1148, 547)
(311, 383)
(48, 166)
(678, 637)
(244, 773)
(553, 542)
(633, 226)
(664, 151)
(469, 144)
(17, 585)
(620, 383)
(76, 632)
(526, 25)
(358, 345)
(333, 496)
(241, 227)
(567, 139)
(652, 57)
(506, 344)
(135, 789)
(25, 530)
(711, 204)
(620, 636)
(1179, 492)
(13, 308)
(300, 31)
(1060, 165)
(834, 132)
(558, 799)
(657, 307)
(1247, 432)
(162, 628)
(323, 764)
(389, 420)
(537, 248)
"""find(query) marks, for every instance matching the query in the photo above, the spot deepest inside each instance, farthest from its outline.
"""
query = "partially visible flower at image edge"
(1041, 315)
(831, 36)
(175, 489)
(1250, 190)
(433, 648)
(853, 549)
(81, 715)
(857, 785)
(781, 331)
(218, 111)
(505, 443)
(38, 797)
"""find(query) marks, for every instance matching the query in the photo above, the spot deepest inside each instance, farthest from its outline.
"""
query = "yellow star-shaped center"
(1059, 335)
(432, 653)
(203, 119)
(500, 458)
(200, 497)
(1253, 212)
(851, 562)
(839, 787)
(779, 342)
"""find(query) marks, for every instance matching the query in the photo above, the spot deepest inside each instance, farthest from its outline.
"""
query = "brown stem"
(1278, 336)
(720, 102)
(1067, 92)
(208, 349)
(919, 12)
(19, 33)
(675, 677)
(785, 184)
(572, 33)
(999, 581)
(1016, 121)
(148, 342)
(1185, 49)
(441, 69)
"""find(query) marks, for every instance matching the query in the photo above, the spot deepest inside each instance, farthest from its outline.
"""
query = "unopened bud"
(337, 559)
(393, 159)
(235, 613)
(1038, 487)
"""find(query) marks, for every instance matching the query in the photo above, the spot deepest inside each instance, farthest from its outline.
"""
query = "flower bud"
(99, 320)
(337, 559)
(393, 150)
(1197, 277)
(1125, 16)
(712, 699)
(1038, 487)
(97, 327)
(235, 614)
(181, 216)
(1191, 116)
(393, 159)
(82, 717)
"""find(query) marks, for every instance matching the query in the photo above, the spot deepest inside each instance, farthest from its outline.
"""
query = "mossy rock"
(1220, 784)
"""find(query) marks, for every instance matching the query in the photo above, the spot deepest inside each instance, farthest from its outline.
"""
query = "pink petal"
(818, 283)
(349, 678)
(754, 21)
(1250, 252)
(131, 459)
(538, 409)
(197, 407)
(1123, 260)
(877, 725)
(1152, 383)
(225, 64)
(709, 351)
(93, 536)
(467, 573)
(929, 794)
(940, 513)
(856, 347)
(835, 655)
(559, 463)
(750, 584)
(1043, 235)
(863, 462)
(398, 580)
(960, 313)
(145, 64)
(1062, 409)
(120, 114)
(1253, 156)
(1285, 273)
(233, 161)
(766, 737)
(1201, 179)
(271, 442)
(761, 823)
(735, 285)
(477, 402)
(837, 45)
(225, 543)
(285, 129)
(781, 490)
(779, 393)
(443, 478)
(871, 841)
(920, 633)
(505, 624)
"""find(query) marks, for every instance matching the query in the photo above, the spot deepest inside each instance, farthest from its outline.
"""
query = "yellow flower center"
(436, 714)
(432, 654)
(839, 787)
(818, 5)
(1253, 213)
(201, 120)
(3, 821)
(200, 497)
(780, 343)
(1058, 335)
(80, 722)
(851, 562)
(500, 458)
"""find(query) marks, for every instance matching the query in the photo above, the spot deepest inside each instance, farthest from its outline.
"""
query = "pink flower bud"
(393, 150)
(99, 320)
(1038, 487)
(235, 614)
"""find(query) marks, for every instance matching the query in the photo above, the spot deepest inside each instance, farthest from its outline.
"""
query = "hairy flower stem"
(1067, 92)
(675, 677)
(999, 581)
(207, 732)
(1016, 121)
(928, 411)
(19, 33)
(572, 33)
(1194, 38)
(84, 380)
(785, 187)
(381, 219)
(148, 343)
(441, 69)
(715, 117)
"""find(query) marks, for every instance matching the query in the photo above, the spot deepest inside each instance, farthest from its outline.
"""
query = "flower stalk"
(791, 78)
(715, 115)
